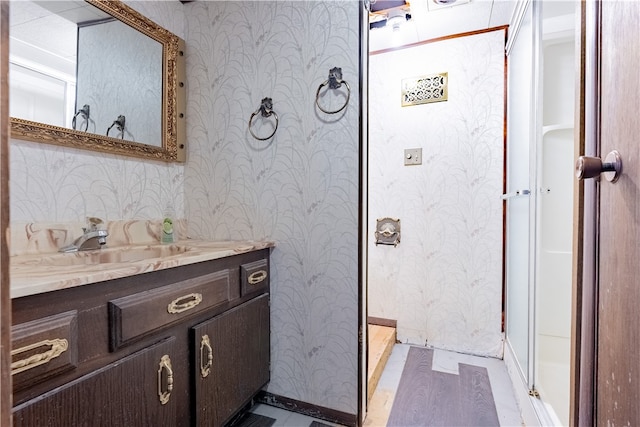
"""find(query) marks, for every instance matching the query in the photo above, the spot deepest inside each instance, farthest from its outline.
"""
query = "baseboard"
(382, 322)
(308, 409)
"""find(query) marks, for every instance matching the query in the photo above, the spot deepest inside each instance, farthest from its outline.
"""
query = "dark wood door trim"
(5, 288)
(584, 313)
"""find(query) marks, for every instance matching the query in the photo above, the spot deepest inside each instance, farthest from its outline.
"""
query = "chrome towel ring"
(266, 110)
(335, 82)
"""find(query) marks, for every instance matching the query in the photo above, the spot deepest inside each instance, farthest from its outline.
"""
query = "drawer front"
(134, 316)
(254, 277)
(43, 348)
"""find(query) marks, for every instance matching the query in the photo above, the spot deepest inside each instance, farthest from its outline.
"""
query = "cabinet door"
(126, 393)
(231, 360)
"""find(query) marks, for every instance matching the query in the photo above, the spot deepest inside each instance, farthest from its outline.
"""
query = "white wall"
(443, 283)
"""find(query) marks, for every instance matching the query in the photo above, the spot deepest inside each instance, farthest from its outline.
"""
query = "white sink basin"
(109, 255)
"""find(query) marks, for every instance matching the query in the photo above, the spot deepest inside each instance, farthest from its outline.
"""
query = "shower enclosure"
(539, 205)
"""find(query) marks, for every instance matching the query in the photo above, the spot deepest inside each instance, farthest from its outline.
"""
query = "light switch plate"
(412, 156)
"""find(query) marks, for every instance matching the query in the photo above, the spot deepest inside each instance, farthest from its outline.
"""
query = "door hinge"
(534, 393)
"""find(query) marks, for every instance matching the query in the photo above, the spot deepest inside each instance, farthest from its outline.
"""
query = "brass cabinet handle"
(205, 370)
(184, 303)
(57, 347)
(165, 365)
(257, 277)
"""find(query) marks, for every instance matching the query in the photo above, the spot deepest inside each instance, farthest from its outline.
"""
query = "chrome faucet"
(91, 239)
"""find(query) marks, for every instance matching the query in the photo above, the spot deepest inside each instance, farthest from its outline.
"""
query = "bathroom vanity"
(178, 340)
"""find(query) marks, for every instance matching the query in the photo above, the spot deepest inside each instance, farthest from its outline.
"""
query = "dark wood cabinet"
(231, 351)
(182, 347)
(118, 394)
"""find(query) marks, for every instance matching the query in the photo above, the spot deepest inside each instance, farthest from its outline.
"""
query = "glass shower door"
(539, 209)
(520, 133)
(554, 217)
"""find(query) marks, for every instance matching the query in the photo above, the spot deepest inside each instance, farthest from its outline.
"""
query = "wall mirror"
(98, 75)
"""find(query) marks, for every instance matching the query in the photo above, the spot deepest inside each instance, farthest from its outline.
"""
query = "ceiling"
(429, 20)
(51, 25)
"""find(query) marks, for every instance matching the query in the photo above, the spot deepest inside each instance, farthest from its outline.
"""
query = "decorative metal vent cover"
(425, 89)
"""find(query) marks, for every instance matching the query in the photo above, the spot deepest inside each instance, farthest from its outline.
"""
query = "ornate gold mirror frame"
(173, 99)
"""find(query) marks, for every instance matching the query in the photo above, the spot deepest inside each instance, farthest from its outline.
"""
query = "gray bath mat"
(431, 398)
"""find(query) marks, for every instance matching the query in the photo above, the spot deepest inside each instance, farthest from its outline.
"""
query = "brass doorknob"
(591, 167)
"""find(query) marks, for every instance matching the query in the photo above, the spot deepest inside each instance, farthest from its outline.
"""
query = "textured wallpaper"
(443, 283)
(299, 189)
(51, 183)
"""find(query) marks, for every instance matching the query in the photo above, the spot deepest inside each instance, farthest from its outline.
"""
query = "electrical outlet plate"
(412, 156)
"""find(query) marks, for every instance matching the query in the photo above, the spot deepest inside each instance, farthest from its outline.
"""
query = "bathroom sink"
(111, 255)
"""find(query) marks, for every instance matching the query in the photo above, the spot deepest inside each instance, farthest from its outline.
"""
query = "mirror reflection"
(75, 66)
(51, 94)
(120, 78)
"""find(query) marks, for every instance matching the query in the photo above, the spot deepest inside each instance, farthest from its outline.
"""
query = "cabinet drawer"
(136, 315)
(254, 277)
(43, 348)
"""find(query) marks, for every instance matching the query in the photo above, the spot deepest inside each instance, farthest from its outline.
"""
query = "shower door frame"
(363, 341)
(526, 372)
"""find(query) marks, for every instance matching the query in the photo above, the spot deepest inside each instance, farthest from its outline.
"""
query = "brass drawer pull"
(206, 369)
(58, 346)
(257, 277)
(165, 365)
(184, 303)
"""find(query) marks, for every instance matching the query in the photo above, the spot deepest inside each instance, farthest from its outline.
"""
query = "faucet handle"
(92, 223)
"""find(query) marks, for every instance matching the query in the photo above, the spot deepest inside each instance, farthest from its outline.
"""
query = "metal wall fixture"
(119, 124)
(334, 82)
(265, 110)
(387, 231)
(425, 89)
(85, 113)
(389, 13)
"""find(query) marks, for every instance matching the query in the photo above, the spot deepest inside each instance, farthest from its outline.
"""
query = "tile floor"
(382, 399)
(286, 418)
